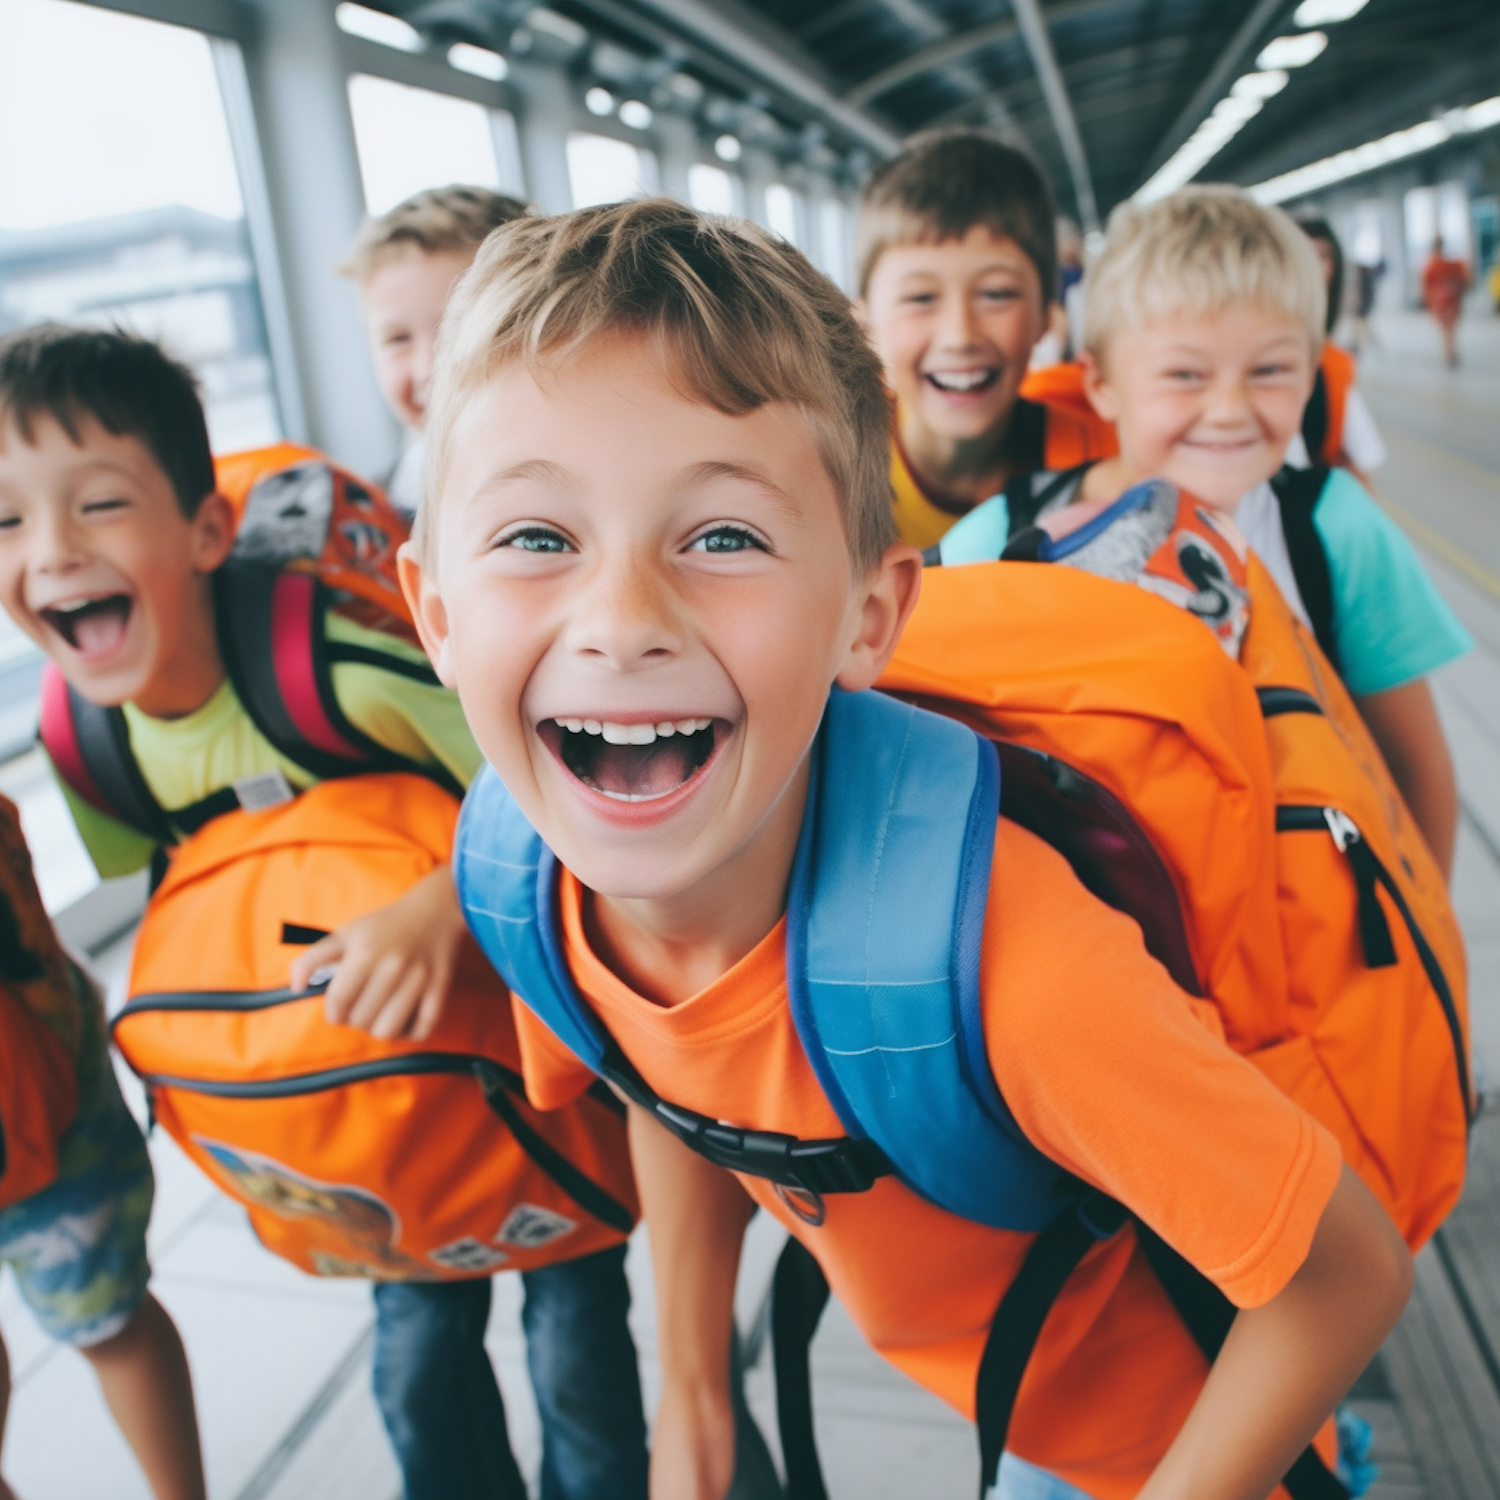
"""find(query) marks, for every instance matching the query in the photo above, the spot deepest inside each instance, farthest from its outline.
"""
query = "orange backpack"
(385, 1159)
(1366, 1022)
(299, 510)
(40, 1026)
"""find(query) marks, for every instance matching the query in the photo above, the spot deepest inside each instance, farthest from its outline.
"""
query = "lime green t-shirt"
(185, 760)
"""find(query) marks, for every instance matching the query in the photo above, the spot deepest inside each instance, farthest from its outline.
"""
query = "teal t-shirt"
(1390, 623)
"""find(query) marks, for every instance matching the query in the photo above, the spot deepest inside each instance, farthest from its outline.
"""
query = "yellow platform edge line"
(1435, 541)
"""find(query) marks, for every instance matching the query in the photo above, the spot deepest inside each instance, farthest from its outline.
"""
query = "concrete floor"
(281, 1360)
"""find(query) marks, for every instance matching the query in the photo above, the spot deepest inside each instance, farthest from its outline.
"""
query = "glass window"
(124, 207)
(712, 189)
(409, 139)
(604, 170)
(833, 241)
(783, 208)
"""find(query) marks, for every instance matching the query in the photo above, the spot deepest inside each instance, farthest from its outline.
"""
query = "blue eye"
(536, 539)
(728, 539)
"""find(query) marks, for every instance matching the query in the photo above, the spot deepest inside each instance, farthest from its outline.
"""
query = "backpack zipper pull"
(1364, 865)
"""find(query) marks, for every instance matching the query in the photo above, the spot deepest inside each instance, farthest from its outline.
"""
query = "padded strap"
(90, 747)
(1297, 494)
(1208, 1315)
(1025, 499)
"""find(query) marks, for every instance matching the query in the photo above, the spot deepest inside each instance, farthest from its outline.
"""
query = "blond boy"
(403, 264)
(654, 439)
(1203, 324)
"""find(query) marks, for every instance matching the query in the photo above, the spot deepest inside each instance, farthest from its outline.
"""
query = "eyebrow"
(707, 472)
(537, 470)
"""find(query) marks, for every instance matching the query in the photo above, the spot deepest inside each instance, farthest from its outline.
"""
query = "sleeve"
(115, 848)
(420, 720)
(1362, 441)
(1391, 624)
(1124, 1080)
(554, 1076)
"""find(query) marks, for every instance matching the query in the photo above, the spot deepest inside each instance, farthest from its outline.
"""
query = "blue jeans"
(1020, 1480)
(437, 1392)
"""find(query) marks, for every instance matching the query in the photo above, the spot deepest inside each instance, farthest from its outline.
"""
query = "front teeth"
(953, 380)
(633, 734)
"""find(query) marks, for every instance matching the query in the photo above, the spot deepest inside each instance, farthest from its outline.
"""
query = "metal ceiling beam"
(1208, 93)
(775, 65)
(953, 48)
(1034, 32)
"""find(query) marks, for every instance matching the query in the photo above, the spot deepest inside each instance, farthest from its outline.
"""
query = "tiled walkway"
(281, 1360)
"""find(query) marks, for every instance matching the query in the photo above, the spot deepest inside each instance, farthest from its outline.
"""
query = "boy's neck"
(192, 672)
(960, 471)
(671, 948)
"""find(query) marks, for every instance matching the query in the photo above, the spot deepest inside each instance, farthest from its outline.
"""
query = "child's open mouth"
(92, 627)
(631, 762)
(962, 382)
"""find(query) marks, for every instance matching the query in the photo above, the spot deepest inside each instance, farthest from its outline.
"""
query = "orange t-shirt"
(1109, 1068)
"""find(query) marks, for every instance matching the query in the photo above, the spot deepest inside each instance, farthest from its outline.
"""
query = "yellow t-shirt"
(185, 760)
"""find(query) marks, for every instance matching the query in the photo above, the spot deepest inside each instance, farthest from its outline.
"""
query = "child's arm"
(696, 1215)
(1404, 721)
(394, 965)
(1287, 1364)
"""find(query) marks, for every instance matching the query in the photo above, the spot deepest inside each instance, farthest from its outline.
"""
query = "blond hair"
(945, 183)
(434, 220)
(1196, 253)
(739, 318)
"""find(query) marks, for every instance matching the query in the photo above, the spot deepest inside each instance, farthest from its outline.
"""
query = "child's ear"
(428, 611)
(1097, 388)
(862, 314)
(213, 533)
(888, 596)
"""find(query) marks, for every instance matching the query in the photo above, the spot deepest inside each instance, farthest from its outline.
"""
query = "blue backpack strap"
(885, 922)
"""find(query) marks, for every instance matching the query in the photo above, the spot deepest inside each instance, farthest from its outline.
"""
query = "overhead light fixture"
(727, 148)
(1292, 51)
(1326, 12)
(1260, 86)
(479, 61)
(1377, 153)
(636, 114)
(377, 26)
(599, 102)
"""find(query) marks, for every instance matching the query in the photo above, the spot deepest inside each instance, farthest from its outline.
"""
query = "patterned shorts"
(78, 1248)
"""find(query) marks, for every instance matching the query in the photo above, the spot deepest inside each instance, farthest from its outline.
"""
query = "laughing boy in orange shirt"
(658, 538)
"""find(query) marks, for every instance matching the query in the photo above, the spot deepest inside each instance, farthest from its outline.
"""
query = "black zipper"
(1275, 701)
(200, 1000)
(1375, 933)
(496, 1081)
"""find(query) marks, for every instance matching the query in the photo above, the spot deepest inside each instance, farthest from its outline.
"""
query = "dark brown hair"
(943, 184)
(125, 383)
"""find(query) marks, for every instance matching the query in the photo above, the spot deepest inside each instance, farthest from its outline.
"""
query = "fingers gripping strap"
(884, 926)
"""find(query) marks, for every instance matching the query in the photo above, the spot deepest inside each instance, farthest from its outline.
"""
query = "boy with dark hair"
(956, 260)
(651, 434)
(111, 533)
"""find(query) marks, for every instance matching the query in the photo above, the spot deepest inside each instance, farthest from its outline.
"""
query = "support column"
(548, 114)
(297, 84)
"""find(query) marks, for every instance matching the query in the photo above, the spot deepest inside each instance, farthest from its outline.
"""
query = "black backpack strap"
(1025, 499)
(274, 642)
(1208, 1314)
(1315, 418)
(799, 1293)
(1297, 494)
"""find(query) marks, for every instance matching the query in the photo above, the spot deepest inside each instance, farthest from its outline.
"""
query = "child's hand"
(394, 966)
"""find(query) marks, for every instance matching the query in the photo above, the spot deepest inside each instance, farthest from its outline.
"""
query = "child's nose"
(629, 617)
(56, 543)
(958, 323)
